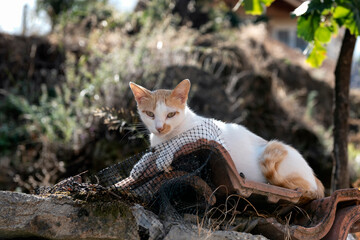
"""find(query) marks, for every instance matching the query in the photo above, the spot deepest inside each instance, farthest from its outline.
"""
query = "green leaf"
(319, 5)
(307, 25)
(341, 12)
(352, 27)
(348, 15)
(353, 23)
(323, 34)
(256, 7)
(317, 55)
(357, 21)
(267, 2)
(334, 27)
(253, 7)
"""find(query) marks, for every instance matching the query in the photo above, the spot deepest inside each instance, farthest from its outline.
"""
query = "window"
(288, 36)
(284, 36)
(301, 43)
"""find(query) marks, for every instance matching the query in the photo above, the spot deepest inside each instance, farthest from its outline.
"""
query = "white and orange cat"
(165, 113)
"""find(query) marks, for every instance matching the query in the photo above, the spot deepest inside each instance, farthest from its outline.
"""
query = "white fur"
(160, 119)
(244, 147)
(294, 162)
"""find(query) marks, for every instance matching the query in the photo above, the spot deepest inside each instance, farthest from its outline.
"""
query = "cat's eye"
(150, 114)
(172, 114)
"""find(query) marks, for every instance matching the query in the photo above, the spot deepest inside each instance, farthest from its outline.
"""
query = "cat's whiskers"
(133, 129)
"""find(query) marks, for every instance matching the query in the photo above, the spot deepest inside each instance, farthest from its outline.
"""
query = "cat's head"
(161, 110)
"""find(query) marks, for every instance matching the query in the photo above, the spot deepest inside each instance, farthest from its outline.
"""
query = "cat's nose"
(160, 129)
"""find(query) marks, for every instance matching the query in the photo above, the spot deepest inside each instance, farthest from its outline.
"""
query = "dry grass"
(228, 216)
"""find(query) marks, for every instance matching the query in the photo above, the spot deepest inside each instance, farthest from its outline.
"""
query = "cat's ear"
(181, 91)
(140, 93)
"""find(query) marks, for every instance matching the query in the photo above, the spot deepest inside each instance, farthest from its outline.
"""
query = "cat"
(165, 114)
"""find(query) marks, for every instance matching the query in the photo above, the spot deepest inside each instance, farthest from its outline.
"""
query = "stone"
(182, 232)
(58, 216)
(61, 217)
(148, 222)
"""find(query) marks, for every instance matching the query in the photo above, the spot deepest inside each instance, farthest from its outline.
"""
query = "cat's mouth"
(161, 134)
(162, 131)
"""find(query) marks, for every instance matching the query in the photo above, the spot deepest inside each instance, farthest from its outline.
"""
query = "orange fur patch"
(180, 93)
(149, 103)
(320, 189)
(166, 129)
(295, 181)
(310, 195)
(147, 100)
(273, 155)
(174, 102)
(140, 93)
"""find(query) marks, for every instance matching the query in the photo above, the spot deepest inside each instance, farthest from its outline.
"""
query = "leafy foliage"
(63, 10)
(307, 26)
(256, 7)
(317, 55)
(320, 19)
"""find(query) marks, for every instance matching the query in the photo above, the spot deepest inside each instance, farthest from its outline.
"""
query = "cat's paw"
(169, 169)
(163, 163)
(140, 167)
(137, 170)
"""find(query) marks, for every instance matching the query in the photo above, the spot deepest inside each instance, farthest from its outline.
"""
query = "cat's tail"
(318, 193)
(274, 154)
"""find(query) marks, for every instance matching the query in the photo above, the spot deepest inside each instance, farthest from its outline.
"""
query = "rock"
(148, 222)
(61, 217)
(222, 235)
(180, 232)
